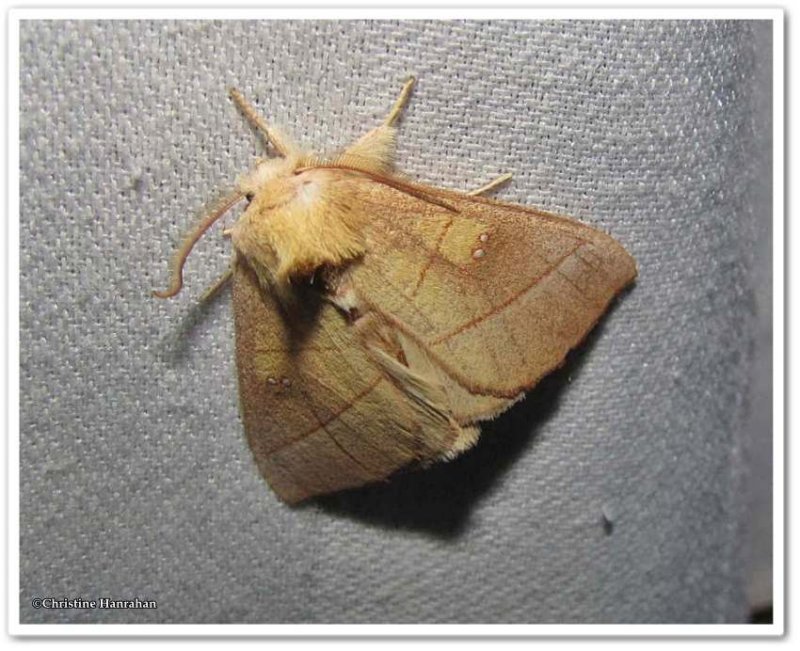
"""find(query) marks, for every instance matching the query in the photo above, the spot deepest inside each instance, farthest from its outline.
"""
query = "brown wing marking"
(434, 254)
(551, 317)
(501, 307)
(578, 289)
(322, 422)
(371, 473)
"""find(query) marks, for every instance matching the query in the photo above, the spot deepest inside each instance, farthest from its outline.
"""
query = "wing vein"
(436, 253)
(504, 304)
(323, 422)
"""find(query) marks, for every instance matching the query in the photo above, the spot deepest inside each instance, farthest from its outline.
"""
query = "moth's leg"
(279, 142)
(491, 185)
(220, 282)
(374, 151)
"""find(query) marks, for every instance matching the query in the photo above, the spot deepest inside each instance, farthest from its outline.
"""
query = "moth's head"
(266, 172)
(298, 218)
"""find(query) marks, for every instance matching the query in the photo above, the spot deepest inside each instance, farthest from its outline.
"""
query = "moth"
(379, 320)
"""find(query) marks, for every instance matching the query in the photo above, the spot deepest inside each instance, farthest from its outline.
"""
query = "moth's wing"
(466, 406)
(322, 409)
(494, 295)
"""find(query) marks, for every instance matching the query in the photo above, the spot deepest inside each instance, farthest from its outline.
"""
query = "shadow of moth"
(379, 320)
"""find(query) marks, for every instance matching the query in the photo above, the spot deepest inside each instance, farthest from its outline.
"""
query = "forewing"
(319, 412)
(496, 294)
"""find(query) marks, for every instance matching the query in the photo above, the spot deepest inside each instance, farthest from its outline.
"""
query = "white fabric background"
(136, 479)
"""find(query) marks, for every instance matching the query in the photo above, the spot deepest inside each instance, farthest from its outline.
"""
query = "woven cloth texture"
(620, 490)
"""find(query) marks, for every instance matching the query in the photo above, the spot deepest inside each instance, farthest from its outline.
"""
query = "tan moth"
(379, 320)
